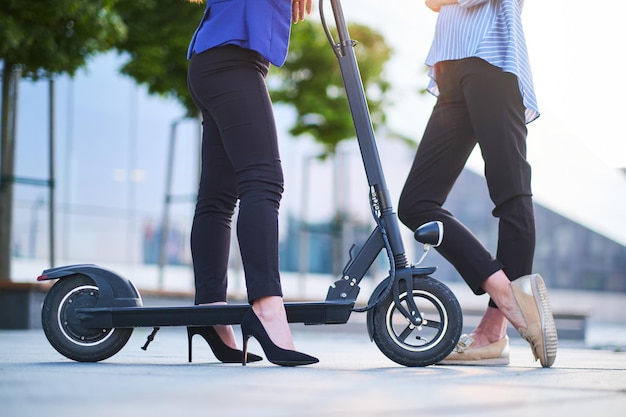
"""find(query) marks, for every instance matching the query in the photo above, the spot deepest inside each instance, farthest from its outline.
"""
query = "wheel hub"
(70, 321)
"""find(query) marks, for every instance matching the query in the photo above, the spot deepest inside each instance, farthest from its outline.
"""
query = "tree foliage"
(158, 34)
(56, 36)
(311, 82)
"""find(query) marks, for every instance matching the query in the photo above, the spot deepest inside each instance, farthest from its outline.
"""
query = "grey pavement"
(353, 378)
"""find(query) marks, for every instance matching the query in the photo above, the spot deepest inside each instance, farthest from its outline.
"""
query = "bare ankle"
(271, 312)
(499, 289)
(269, 308)
(492, 326)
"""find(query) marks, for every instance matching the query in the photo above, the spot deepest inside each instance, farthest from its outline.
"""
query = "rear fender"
(113, 289)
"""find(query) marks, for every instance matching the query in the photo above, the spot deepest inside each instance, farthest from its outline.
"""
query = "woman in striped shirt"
(481, 76)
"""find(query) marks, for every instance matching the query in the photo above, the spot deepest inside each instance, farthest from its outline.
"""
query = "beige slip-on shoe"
(531, 295)
(496, 353)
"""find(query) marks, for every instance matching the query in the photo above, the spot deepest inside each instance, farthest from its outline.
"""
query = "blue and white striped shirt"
(487, 29)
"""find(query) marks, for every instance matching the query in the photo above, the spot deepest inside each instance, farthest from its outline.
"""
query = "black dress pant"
(478, 104)
(240, 161)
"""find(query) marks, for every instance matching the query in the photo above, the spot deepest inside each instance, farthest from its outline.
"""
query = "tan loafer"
(531, 295)
(496, 353)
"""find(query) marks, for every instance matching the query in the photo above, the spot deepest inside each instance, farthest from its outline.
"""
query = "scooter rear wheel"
(64, 329)
(422, 345)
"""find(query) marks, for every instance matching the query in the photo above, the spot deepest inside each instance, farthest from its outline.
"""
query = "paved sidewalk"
(353, 378)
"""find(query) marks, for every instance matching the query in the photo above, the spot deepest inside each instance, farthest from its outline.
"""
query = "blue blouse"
(487, 29)
(260, 25)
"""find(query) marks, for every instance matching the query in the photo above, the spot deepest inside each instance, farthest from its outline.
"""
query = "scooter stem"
(353, 84)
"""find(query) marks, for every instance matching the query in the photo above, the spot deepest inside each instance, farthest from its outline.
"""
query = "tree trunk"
(10, 81)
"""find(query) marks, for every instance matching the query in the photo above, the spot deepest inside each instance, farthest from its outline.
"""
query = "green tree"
(56, 36)
(157, 38)
(311, 82)
(42, 39)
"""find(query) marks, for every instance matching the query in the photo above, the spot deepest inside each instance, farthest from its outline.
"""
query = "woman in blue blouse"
(481, 76)
(229, 57)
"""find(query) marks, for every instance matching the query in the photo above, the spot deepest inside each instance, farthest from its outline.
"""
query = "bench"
(570, 324)
(20, 304)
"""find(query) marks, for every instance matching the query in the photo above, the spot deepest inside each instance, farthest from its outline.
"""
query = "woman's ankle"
(498, 286)
(272, 315)
(269, 308)
(225, 332)
(491, 328)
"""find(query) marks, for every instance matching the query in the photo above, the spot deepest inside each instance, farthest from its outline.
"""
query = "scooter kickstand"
(150, 338)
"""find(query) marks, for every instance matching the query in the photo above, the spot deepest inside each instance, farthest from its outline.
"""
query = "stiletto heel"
(251, 326)
(222, 352)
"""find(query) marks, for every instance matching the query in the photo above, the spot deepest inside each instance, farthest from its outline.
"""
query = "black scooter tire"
(64, 330)
(424, 345)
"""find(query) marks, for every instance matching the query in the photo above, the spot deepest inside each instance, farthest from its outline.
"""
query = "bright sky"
(572, 47)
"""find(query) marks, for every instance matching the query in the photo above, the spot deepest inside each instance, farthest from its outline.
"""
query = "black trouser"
(478, 103)
(240, 160)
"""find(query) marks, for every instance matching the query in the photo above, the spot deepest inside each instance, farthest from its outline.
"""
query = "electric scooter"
(89, 314)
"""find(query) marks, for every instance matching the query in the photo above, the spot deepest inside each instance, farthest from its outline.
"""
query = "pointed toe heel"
(251, 326)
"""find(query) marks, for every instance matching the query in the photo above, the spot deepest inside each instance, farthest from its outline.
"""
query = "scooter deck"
(309, 313)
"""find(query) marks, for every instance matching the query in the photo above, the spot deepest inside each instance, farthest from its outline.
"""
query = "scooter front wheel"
(64, 329)
(423, 345)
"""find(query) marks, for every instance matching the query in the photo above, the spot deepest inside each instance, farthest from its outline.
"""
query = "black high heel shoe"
(222, 352)
(251, 326)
